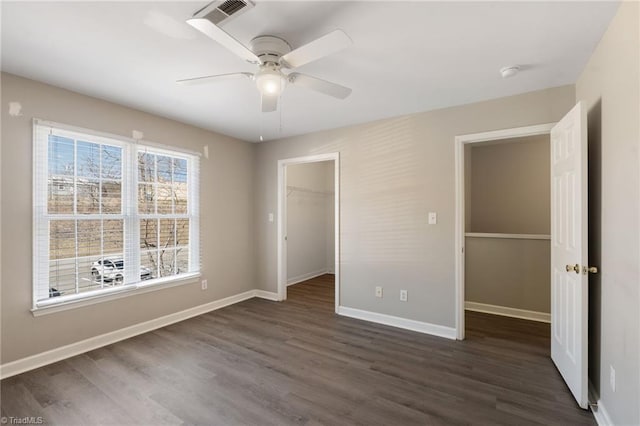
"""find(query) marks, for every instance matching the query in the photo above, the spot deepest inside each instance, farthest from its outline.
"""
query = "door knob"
(575, 268)
(589, 270)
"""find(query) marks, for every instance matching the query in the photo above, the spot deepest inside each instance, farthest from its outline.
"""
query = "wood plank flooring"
(267, 363)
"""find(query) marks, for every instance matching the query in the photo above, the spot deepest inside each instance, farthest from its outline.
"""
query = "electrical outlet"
(270, 217)
(612, 378)
(378, 291)
(403, 295)
(204, 284)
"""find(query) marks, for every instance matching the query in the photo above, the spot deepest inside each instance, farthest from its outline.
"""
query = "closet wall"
(310, 220)
(508, 224)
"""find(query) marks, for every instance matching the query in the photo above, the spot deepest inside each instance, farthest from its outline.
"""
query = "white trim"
(505, 311)
(459, 254)
(508, 236)
(336, 225)
(29, 363)
(600, 413)
(282, 223)
(269, 295)
(282, 219)
(407, 324)
(460, 142)
(52, 306)
(518, 132)
(305, 277)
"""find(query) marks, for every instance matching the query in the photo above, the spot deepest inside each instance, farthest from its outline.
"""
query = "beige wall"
(393, 172)
(510, 186)
(467, 185)
(609, 89)
(226, 219)
(310, 233)
(508, 272)
(330, 212)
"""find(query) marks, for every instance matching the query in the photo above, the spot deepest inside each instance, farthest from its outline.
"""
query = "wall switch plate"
(403, 295)
(270, 217)
(204, 284)
(378, 291)
(612, 378)
(433, 218)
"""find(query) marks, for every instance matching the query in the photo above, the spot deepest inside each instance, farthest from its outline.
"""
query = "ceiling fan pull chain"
(261, 125)
(280, 112)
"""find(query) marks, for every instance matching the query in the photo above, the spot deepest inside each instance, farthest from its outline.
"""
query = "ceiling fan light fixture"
(270, 81)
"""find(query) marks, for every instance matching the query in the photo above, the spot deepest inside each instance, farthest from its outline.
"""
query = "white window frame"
(129, 214)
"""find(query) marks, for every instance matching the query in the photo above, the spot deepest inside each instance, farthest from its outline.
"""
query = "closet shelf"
(290, 189)
(508, 236)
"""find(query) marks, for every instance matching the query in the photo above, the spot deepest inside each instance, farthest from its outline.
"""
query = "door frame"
(282, 218)
(460, 142)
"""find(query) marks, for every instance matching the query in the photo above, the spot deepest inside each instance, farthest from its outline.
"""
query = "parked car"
(111, 270)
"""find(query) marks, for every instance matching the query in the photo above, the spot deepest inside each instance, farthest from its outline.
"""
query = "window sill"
(51, 306)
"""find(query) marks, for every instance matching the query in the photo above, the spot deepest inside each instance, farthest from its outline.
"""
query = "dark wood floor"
(268, 363)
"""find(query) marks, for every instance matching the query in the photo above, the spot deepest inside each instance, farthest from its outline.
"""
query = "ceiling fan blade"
(269, 103)
(213, 78)
(319, 48)
(216, 33)
(319, 85)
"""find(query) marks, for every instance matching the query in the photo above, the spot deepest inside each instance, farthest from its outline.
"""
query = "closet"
(310, 221)
(507, 227)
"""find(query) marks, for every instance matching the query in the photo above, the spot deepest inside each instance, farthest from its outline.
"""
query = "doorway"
(308, 210)
(498, 239)
(570, 267)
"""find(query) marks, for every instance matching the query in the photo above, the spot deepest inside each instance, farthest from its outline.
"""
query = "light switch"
(433, 218)
(270, 217)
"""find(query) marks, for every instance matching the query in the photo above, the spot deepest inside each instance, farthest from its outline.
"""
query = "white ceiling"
(406, 57)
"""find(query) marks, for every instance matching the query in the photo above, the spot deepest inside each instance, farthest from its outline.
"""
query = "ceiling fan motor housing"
(269, 48)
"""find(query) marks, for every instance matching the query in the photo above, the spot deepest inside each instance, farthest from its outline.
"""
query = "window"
(110, 214)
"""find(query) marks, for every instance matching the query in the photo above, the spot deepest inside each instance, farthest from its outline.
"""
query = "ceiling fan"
(272, 55)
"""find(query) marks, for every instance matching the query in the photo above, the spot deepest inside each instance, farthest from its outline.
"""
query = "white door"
(569, 284)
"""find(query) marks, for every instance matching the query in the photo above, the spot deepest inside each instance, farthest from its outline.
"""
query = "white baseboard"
(408, 324)
(508, 312)
(269, 295)
(304, 277)
(600, 412)
(35, 361)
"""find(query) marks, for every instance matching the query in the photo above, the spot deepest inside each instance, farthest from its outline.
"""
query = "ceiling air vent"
(222, 11)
